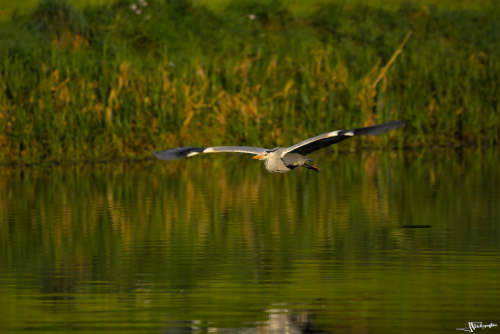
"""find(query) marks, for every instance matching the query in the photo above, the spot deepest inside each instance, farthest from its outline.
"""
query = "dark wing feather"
(177, 153)
(326, 139)
(378, 129)
(318, 144)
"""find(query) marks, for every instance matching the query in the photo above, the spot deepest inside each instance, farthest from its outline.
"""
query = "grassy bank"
(125, 79)
(298, 7)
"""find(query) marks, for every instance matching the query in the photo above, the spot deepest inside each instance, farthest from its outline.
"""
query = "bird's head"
(262, 156)
(265, 155)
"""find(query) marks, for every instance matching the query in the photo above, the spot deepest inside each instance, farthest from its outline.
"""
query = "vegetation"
(124, 79)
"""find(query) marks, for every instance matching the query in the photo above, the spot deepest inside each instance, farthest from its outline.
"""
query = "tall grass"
(113, 81)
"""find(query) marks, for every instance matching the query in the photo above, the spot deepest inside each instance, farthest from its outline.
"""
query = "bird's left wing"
(326, 139)
(189, 151)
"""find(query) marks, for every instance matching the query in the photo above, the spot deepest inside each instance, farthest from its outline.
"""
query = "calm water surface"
(221, 246)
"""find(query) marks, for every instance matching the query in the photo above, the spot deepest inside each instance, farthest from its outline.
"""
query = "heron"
(283, 159)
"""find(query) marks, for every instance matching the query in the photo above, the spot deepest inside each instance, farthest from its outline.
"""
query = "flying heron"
(283, 159)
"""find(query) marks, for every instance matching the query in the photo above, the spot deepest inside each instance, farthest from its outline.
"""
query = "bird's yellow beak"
(258, 156)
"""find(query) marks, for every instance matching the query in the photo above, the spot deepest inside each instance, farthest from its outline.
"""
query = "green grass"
(8, 8)
(104, 82)
(298, 7)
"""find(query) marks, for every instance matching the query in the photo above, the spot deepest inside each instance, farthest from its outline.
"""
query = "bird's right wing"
(326, 139)
(189, 151)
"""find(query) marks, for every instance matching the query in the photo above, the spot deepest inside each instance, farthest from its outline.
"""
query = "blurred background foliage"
(94, 80)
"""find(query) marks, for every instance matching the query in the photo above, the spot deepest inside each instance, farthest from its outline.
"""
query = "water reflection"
(218, 244)
(279, 321)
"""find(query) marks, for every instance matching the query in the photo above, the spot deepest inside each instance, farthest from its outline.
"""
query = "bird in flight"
(284, 159)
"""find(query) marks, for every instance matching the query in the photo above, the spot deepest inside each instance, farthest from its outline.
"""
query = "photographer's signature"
(473, 325)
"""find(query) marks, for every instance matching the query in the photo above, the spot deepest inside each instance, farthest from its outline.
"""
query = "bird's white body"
(278, 160)
(274, 163)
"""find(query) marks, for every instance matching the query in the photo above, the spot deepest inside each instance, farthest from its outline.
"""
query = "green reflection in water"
(217, 242)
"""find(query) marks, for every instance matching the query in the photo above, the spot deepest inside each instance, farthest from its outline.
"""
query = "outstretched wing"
(189, 151)
(326, 139)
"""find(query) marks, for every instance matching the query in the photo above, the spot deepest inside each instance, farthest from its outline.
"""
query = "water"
(216, 244)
